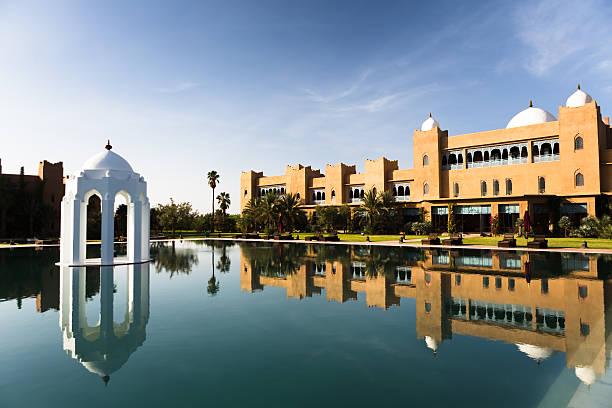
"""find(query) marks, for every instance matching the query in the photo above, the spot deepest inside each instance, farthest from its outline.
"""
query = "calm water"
(219, 323)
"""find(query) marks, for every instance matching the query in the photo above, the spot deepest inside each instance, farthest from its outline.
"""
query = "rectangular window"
(457, 280)
(511, 285)
(582, 292)
(508, 187)
(585, 329)
(495, 187)
(544, 286)
(485, 282)
(498, 283)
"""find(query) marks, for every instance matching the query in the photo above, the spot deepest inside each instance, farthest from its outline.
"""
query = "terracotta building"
(24, 195)
(504, 171)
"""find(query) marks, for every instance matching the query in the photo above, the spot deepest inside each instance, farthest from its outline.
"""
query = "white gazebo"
(106, 174)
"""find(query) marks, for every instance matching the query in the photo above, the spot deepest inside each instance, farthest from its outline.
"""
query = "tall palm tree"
(269, 210)
(224, 201)
(289, 207)
(371, 205)
(213, 179)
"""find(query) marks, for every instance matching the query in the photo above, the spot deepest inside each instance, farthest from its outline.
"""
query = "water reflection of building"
(542, 303)
(106, 346)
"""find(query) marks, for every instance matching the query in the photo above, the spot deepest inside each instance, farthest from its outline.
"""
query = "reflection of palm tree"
(280, 261)
(213, 285)
(224, 263)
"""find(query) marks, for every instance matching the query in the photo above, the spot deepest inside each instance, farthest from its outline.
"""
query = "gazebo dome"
(535, 352)
(107, 160)
(530, 116)
(429, 123)
(578, 98)
(587, 375)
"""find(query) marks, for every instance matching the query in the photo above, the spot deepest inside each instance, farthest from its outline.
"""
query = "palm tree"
(224, 201)
(268, 211)
(213, 179)
(213, 285)
(371, 205)
(290, 211)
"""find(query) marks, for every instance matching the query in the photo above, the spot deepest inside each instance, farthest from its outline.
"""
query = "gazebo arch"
(105, 175)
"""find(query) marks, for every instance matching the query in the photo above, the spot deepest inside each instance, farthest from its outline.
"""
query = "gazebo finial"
(106, 379)
(530, 103)
(108, 145)
(430, 114)
(578, 86)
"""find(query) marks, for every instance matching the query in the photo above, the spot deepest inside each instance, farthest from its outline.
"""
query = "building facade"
(30, 204)
(501, 172)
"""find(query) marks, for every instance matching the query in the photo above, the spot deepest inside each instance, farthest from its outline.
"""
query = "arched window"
(546, 149)
(456, 189)
(578, 144)
(505, 154)
(477, 157)
(515, 152)
(400, 190)
(535, 151)
(425, 160)
(508, 187)
(443, 160)
(556, 148)
(541, 185)
(407, 191)
(245, 193)
(323, 196)
(495, 187)
(452, 159)
(297, 196)
(425, 189)
(495, 154)
(483, 188)
(524, 151)
(361, 193)
(486, 156)
(579, 180)
(333, 195)
(460, 159)
(374, 190)
(469, 157)
(394, 191)
(314, 196)
(319, 196)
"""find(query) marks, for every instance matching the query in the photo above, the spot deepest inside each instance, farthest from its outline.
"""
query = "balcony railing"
(500, 162)
(356, 200)
(318, 202)
(546, 158)
(402, 198)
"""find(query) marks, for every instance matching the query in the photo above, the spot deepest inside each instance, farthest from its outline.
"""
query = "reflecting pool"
(224, 323)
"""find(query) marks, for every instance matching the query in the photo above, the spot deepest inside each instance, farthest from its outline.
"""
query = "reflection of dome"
(431, 343)
(578, 98)
(535, 352)
(429, 123)
(587, 375)
(530, 116)
(107, 160)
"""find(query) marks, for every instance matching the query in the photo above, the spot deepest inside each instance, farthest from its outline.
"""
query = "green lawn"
(595, 243)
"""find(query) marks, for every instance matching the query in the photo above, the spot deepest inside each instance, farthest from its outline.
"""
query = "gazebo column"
(106, 301)
(144, 241)
(135, 231)
(108, 231)
(73, 232)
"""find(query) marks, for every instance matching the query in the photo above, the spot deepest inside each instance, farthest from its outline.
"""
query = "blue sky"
(182, 87)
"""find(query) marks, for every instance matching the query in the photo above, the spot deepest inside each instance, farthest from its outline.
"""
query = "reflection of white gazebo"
(104, 348)
(106, 175)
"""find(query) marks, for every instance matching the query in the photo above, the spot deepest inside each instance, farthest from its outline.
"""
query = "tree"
(290, 210)
(345, 215)
(565, 223)
(224, 201)
(371, 206)
(495, 225)
(213, 179)
(175, 216)
(6, 199)
(121, 220)
(451, 226)
(268, 211)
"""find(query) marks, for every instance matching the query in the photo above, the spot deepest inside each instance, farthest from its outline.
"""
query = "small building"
(31, 204)
(501, 172)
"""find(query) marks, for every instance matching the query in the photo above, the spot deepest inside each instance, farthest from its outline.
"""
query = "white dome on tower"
(431, 343)
(578, 98)
(530, 116)
(107, 160)
(535, 352)
(429, 123)
(587, 375)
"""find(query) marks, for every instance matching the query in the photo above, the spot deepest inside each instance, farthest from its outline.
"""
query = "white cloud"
(574, 33)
